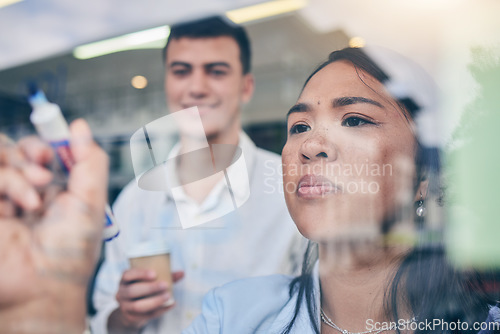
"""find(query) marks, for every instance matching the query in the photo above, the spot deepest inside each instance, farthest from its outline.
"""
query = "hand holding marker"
(52, 127)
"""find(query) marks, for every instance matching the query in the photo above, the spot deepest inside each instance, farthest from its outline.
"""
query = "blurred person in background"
(207, 65)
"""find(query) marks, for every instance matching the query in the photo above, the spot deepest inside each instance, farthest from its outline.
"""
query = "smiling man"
(207, 65)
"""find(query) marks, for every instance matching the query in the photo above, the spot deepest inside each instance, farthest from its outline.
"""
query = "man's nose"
(198, 85)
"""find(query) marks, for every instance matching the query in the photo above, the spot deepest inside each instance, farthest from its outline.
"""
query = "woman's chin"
(336, 231)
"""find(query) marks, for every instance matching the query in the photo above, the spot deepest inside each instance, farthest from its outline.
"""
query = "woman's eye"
(355, 121)
(299, 128)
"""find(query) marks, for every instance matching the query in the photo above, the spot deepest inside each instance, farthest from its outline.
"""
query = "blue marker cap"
(36, 96)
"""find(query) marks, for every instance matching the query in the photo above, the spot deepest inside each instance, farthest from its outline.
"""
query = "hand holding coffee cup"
(145, 290)
(160, 264)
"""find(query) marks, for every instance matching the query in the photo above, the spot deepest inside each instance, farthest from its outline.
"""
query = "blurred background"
(101, 60)
(117, 84)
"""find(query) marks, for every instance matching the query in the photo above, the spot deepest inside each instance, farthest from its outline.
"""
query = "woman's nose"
(317, 147)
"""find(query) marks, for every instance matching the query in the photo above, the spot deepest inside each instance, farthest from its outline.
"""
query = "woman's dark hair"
(212, 27)
(425, 281)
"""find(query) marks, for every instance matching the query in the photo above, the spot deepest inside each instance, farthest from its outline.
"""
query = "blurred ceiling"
(36, 29)
(423, 29)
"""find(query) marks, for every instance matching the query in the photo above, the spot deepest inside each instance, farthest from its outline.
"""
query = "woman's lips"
(316, 186)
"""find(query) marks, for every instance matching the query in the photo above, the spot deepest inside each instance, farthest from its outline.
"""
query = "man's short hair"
(212, 27)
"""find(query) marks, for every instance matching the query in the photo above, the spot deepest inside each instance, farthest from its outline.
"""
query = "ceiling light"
(4, 3)
(356, 42)
(155, 38)
(146, 39)
(139, 82)
(265, 9)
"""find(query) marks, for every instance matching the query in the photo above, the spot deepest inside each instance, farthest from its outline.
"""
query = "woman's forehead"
(340, 81)
(343, 76)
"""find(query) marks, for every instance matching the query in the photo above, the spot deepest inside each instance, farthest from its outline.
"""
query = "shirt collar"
(239, 186)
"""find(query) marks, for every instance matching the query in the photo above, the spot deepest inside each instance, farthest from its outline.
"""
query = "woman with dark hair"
(361, 186)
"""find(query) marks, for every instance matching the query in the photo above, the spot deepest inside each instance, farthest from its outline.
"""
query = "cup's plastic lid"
(147, 249)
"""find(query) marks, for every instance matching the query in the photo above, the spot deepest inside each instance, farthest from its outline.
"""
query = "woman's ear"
(421, 193)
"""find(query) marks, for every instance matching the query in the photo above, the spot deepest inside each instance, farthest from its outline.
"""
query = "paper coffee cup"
(160, 263)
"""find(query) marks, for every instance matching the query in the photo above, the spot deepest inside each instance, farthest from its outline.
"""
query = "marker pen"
(52, 127)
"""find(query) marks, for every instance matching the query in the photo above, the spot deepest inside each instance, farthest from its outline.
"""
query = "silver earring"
(421, 209)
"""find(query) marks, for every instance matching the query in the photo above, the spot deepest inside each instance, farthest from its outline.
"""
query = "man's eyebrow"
(206, 66)
(179, 63)
(348, 100)
(299, 107)
(218, 63)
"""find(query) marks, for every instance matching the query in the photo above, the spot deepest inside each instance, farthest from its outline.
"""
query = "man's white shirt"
(259, 238)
